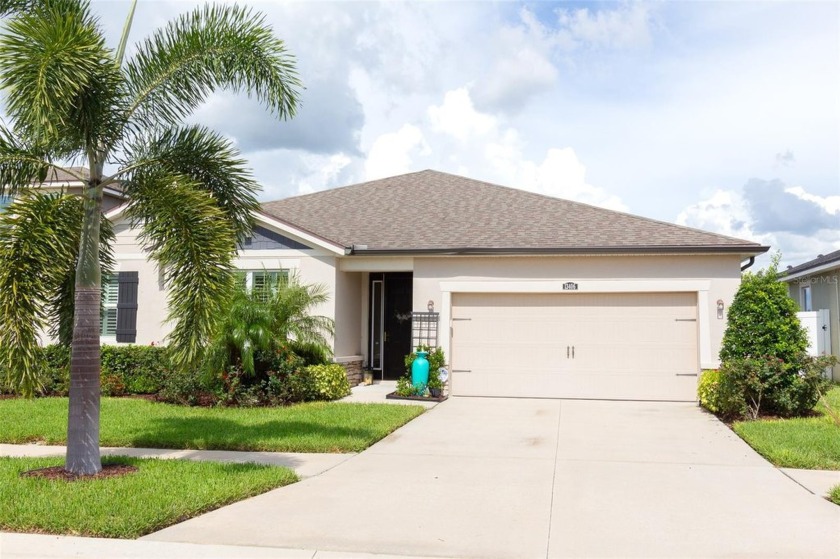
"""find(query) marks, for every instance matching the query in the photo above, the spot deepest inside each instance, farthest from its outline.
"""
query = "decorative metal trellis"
(424, 329)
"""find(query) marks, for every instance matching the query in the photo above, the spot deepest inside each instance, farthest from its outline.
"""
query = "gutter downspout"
(748, 264)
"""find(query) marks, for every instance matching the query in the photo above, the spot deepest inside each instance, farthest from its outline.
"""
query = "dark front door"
(391, 322)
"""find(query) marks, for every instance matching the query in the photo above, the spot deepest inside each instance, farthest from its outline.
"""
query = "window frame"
(806, 301)
(110, 302)
(249, 276)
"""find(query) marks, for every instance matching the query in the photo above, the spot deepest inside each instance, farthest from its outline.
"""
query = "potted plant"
(435, 384)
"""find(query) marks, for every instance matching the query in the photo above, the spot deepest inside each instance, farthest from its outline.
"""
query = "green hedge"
(129, 369)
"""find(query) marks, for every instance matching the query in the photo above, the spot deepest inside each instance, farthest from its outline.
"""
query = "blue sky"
(718, 115)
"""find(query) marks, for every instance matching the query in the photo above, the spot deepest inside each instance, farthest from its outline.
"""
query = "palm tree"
(293, 323)
(70, 98)
(277, 313)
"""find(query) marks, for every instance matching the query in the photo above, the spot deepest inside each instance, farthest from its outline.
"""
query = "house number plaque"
(570, 286)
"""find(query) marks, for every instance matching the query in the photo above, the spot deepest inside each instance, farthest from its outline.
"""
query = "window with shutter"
(261, 281)
(110, 296)
(127, 307)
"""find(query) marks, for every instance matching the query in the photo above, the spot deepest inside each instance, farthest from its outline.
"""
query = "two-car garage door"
(638, 346)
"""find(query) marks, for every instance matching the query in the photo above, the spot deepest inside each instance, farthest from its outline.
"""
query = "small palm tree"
(279, 313)
(70, 98)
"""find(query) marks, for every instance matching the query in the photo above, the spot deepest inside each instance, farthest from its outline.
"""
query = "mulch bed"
(395, 396)
(58, 472)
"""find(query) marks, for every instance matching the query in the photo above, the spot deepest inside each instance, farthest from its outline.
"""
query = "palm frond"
(39, 239)
(188, 235)
(291, 309)
(212, 47)
(62, 302)
(57, 73)
(210, 161)
(20, 163)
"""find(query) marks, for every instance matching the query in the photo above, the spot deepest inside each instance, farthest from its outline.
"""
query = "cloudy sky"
(718, 115)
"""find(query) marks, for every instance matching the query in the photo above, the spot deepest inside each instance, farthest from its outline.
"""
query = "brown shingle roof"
(438, 212)
(55, 174)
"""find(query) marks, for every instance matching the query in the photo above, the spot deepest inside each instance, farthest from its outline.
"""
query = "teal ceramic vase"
(420, 369)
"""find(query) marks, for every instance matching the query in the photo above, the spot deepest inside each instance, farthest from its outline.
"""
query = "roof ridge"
(346, 186)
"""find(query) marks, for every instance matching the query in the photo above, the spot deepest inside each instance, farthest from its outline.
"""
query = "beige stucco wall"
(721, 272)
(312, 266)
(348, 314)
(825, 294)
(347, 283)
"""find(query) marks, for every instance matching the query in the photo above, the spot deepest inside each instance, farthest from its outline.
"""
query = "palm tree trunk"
(83, 421)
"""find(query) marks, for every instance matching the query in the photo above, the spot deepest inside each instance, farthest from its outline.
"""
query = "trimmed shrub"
(762, 321)
(141, 369)
(707, 389)
(752, 387)
(186, 389)
(129, 369)
(329, 381)
(55, 370)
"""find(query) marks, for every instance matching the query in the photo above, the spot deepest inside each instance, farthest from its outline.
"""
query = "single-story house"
(528, 295)
(815, 286)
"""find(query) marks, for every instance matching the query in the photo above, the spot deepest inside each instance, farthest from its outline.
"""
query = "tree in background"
(70, 98)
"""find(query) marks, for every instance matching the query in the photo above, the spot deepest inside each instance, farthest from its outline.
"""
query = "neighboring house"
(68, 182)
(815, 286)
(528, 295)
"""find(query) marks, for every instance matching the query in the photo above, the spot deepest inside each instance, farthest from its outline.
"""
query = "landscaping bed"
(160, 493)
(395, 396)
(131, 422)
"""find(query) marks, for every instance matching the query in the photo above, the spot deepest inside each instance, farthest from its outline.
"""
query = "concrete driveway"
(516, 478)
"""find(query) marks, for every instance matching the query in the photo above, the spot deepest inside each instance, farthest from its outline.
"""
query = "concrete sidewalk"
(375, 394)
(32, 546)
(304, 464)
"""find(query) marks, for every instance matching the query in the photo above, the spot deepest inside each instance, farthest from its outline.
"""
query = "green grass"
(834, 495)
(161, 493)
(809, 443)
(314, 427)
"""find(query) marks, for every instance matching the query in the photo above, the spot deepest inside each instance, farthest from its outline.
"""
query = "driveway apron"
(519, 478)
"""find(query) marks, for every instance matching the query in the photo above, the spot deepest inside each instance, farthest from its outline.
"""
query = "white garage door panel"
(615, 345)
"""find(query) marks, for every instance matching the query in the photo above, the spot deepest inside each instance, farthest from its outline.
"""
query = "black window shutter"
(127, 307)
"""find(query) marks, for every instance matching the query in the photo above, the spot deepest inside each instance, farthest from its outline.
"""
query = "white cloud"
(523, 67)
(457, 117)
(393, 153)
(560, 174)
(324, 171)
(729, 212)
(625, 26)
(831, 204)
(724, 212)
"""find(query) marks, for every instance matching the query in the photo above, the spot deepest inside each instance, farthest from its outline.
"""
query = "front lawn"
(313, 427)
(161, 493)
(809, 443)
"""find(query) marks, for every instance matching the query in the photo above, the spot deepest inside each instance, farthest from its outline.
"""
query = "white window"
(4, 201)
(110, 295)
(805, 298)
(260, 280)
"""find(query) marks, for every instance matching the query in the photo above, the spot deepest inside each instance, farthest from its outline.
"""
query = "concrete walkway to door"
(516, 478)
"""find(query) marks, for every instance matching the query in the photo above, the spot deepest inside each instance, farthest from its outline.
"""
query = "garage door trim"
(701, 287)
